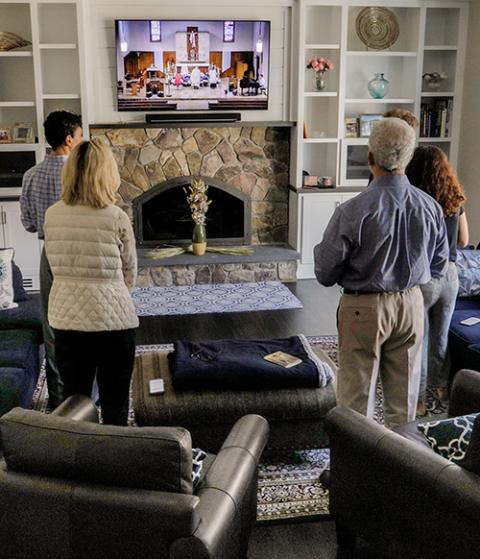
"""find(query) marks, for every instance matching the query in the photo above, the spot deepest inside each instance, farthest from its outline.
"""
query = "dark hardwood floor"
(307, 540)
(317, 318)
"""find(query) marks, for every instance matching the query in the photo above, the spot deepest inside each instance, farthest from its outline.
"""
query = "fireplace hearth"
(162, 215)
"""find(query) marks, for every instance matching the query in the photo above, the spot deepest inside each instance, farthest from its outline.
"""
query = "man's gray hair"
(392, 143)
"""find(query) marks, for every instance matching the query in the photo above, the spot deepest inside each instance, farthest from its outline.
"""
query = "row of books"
(436, 118)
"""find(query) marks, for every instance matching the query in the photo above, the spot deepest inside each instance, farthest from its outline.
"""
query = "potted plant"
(319, 65)
(198, 201)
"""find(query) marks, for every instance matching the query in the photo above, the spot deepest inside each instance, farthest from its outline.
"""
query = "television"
(192, 65)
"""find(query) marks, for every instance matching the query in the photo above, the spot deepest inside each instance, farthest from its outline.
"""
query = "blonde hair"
(90, 176)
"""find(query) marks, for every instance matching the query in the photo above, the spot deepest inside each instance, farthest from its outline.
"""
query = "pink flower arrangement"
(320, 64)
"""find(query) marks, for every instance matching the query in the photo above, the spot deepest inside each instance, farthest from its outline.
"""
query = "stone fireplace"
(251, 160)
(247, 169)
(162, 215)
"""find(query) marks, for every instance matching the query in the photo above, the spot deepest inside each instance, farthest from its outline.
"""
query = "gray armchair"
(73, 489)
(397, 493)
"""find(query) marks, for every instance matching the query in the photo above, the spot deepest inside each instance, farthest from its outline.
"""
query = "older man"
(380, 246)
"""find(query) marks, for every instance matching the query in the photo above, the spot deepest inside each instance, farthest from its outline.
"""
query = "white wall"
(101, 52)
(468, 159)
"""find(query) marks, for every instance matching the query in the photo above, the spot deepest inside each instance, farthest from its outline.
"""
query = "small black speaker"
(169, 118)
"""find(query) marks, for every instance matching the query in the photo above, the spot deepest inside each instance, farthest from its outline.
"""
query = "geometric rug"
(214, 298)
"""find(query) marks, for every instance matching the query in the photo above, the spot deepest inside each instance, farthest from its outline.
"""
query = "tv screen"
(178, 65)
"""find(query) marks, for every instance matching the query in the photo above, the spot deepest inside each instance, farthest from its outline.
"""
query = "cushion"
(154, 458)
(468, 266)
(449, 437)
(6, 279)
(19, 349)
(27, 315)
(12, 385)
(198, 456)
(19, 293)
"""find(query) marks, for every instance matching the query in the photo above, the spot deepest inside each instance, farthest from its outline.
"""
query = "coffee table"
(295, 415)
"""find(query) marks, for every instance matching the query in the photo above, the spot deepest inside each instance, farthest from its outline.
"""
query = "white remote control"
(157, 386)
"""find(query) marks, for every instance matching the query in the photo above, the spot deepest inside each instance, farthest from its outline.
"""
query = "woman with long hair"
(90, 246)
(431, 171)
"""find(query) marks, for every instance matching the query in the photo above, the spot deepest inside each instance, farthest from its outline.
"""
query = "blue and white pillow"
(449, 437)
(6, 279)
(468, 267)
(198, 456)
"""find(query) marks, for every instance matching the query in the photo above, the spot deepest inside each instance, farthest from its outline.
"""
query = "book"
(283, 359)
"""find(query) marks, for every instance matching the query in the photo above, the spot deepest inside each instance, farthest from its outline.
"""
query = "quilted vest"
(86, 249)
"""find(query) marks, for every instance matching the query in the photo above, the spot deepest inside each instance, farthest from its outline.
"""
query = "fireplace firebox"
(162, 215)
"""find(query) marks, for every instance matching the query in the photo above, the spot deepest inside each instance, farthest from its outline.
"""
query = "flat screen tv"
(197, 65)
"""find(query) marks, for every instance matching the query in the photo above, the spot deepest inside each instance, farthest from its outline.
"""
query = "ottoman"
(295, 415)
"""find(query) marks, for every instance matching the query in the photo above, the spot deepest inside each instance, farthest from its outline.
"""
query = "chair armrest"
(227, 507)
(399, 495)
(465, 393)
(78, 408)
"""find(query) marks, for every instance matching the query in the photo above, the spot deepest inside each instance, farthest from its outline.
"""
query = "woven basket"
(9, 41)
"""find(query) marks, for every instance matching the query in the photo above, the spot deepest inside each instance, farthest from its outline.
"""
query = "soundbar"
(178, 118)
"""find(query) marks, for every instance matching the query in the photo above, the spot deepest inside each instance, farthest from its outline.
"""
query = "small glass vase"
(319, 81)
(199, 239)
(378, 86)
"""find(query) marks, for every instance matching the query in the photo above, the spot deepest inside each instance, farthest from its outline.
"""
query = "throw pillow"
(6, 279)
(449, 437)
(19, 293)
(468, 267)
(198, 456)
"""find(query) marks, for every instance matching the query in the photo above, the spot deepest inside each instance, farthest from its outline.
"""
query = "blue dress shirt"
(389, 238)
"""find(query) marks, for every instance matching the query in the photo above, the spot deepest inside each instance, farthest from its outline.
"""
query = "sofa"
(75, 489)
(464, 341)
(20, 347)
(399, 495)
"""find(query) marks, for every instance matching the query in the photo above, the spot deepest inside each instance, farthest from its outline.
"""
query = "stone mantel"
(193, 124)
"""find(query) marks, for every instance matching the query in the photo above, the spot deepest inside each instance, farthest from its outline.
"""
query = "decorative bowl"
(9, 41)
(377, 27)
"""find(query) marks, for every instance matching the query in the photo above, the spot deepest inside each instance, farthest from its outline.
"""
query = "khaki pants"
(380, 334)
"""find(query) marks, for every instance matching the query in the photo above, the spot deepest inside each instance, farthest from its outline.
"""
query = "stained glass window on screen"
(155, 31)
(228, 31)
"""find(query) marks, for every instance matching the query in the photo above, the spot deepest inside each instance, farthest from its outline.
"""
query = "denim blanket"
(240, 365)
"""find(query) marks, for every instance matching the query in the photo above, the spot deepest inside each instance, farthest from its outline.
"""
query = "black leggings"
(110, 355)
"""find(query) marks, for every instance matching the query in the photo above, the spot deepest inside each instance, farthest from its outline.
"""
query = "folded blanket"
(240, 365)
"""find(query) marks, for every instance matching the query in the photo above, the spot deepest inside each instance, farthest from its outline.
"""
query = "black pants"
(109, 355)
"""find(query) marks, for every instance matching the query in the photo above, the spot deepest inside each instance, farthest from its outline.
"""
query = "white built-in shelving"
(36, 80)
(431, 39)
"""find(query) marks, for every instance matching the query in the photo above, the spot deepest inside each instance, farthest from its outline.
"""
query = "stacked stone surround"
(254, 160)
(217, 273)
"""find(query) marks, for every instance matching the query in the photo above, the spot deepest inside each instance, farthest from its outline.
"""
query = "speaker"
(172, 118)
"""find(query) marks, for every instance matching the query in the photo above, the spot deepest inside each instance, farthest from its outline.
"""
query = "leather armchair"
(59, 512)
(398, 494)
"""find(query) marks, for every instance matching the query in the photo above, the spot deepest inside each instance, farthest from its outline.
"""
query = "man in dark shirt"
(380, 246)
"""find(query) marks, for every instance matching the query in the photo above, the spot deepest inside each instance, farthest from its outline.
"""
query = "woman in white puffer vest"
(90, 246)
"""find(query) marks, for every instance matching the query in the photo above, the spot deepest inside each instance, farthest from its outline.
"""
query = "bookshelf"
(432, 39)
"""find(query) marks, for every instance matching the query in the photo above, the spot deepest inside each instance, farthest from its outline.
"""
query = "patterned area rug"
(289, 488)
(214, 298)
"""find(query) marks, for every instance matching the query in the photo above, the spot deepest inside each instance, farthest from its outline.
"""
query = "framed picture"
(366, 123)
(22, 132)
(351, 127)
(228, 31)
(5, 134)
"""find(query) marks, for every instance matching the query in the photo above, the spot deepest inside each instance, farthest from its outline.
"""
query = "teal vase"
(378, 87)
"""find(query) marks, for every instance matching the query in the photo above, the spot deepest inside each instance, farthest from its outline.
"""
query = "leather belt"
(358, 292)
(361, 292)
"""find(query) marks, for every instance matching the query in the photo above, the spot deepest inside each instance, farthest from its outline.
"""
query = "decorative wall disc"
(377, 28)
